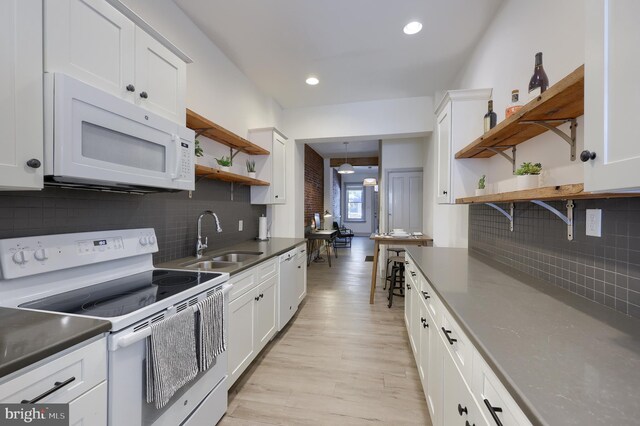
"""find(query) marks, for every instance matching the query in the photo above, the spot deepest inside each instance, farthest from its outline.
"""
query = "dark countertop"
(564, 359)
(27, 336)
(271, 248)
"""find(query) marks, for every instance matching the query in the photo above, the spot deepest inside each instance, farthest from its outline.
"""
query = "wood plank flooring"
(341, 361)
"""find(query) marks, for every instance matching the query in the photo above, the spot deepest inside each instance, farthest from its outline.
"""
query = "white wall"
(503, 60)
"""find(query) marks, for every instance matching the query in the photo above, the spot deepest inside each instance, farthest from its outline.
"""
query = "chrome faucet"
(200, 247)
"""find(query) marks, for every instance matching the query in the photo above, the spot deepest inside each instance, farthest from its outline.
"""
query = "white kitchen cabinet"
(435, 375)
(415, 325)
(21, 91)
(242, 335)
(611, 96)
(161, 78)
(301, 272)
(96, 43)
(425, 330)
(459, 406)
(408, 314)
(459, 120)
(79, 375)
(270, 168)
(266, 321)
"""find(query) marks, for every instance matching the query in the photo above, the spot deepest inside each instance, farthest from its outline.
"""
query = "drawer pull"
(462, 410)
(493, 410)
(408, 286)
(56, 387)
(413, 274)
(426, 295)
(425, 325)
(257, 298)
(446, 333)
(423, 320)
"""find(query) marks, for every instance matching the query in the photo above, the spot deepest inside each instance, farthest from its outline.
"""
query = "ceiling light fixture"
(412, 28)
(345, 168)
(312, 81)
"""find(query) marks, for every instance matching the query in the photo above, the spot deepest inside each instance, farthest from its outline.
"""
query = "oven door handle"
(135, 336)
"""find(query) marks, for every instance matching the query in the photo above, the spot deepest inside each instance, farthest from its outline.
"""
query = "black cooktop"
(123, 295)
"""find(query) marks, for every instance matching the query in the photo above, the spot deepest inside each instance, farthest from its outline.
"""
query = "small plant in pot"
(528, 176)
(251, 169)
(224, 163)
(198, 149)
(481, 190)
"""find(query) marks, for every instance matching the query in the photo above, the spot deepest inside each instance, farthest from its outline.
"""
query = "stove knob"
(40, 254)
(152, 240)
(143, 241)
(19, 257)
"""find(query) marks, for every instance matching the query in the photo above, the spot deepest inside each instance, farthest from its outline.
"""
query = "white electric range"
(110, 275)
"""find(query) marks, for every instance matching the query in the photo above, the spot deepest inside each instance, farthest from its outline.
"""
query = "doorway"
(404, 200)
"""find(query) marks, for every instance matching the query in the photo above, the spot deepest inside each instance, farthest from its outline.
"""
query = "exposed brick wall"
(337, 196)
(313, 184)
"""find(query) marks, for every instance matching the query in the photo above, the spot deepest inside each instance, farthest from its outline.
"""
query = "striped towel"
(210, 335)
(171, 357)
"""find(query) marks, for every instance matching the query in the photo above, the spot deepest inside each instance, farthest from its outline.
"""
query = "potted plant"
(224, 163)
(481, 190)
(528, 175)
(198, 149)
(251, 169)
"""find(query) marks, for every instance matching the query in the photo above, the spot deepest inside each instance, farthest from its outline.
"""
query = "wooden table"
(322, 235)
(381, 239)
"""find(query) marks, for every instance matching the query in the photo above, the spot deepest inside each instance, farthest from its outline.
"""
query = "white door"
(425, 331)
(160, 78)
(92, 41)
(404, 201)
(278, 184)
(436, 380)
(443, 138)
(458, 405)
(21, 109)
(266, 312)
(241, 333)
(612, 95)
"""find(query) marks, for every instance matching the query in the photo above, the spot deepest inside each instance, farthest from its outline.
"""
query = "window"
(354, 203)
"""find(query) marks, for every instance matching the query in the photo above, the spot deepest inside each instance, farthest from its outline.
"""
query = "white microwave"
(96, 140)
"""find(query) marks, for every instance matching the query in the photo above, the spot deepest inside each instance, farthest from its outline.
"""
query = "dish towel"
(171, 356)
(211, 339)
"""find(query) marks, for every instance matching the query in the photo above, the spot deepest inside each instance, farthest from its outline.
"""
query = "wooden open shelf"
(562, 101)
(573, 191)
(217, 174)
(218, 133)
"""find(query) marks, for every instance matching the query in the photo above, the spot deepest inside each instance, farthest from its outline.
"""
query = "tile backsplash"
(605, 270)
(172, 215)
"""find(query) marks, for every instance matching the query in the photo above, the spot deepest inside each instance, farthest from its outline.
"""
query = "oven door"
(96, 137)
(127, 381)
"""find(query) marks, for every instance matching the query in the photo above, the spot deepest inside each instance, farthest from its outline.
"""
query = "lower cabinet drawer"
(242, 283)
(494, 400)
(458, 345)
(267, 270)
(70, 375)
(90, 409)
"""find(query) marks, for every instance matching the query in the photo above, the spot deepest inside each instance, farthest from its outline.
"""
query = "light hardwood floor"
(341, 361)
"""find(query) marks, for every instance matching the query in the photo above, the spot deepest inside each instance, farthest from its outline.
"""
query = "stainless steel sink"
(208, 264)
(240, 256)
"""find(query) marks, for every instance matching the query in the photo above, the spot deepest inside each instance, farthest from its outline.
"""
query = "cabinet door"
(278, 184)
(458, 403)
(90, 409)
(416, 325)
(91, 41)
(443, 138)
(426, 330)
(611, 95)
(267, 312)
(241, 334)
(408, 318)
(435, 383)
(21, 109)
(301, 277)
(161, 78)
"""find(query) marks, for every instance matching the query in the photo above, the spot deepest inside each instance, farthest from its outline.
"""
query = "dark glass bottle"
(539, 81)
(490, 118)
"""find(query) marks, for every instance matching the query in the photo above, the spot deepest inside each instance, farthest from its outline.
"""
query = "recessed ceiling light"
(412, 28)
(312, 81)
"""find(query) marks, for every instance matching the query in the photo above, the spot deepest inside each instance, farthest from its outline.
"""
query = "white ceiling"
(336, 149)
(355, 47)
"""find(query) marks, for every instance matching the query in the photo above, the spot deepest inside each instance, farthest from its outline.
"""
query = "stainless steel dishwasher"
(287, 293)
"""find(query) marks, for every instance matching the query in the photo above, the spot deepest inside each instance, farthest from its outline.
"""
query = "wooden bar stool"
(397, 278)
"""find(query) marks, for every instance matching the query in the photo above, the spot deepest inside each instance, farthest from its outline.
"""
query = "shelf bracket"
(511, 159)
(232, 154)
(568, 218)
(231, 191)
(200, 132)
(570, 139)
(503, 211)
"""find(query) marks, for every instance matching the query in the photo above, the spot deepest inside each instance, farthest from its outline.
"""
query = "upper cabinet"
(94, 42)
(459, 119)
(270, 168)
(612, 151)
(21, 109)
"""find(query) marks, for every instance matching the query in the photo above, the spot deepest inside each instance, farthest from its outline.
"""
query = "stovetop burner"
(124, 295)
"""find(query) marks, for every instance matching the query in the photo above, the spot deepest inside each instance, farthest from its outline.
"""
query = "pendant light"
(345, 168)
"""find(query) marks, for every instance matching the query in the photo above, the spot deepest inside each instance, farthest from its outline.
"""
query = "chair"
(397, 279)
(344, 237)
